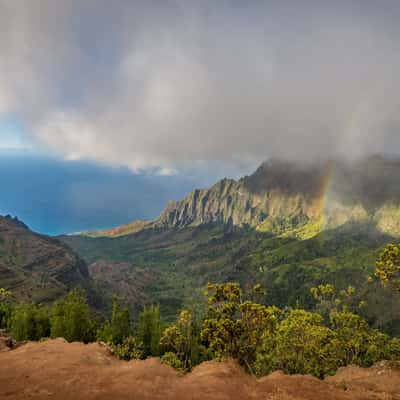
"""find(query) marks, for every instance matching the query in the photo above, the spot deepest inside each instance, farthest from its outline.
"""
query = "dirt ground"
(59, 370)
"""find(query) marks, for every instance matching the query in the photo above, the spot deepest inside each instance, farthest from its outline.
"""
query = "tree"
(300, 344)
(329, 299)
(234, 327)
(180, 341)
(149, 330)
(70, 318)
(120, 322)
(355, 342)
(30, 322)
(388, 266)
(5, 308)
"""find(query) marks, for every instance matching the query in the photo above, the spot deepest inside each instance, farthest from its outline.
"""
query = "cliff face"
(299, 199)
(36, 267)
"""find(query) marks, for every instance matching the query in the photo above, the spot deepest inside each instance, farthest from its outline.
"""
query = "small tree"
(149, 330)
(180, 340)
(30, 322)
(388, 266)
(70, 318)
(5, 308)
(120, 322)
(234, 327)
(300, 344)
(355, 342)
(329, 299)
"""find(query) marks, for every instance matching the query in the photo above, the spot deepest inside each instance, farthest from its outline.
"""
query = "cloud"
(161, 84)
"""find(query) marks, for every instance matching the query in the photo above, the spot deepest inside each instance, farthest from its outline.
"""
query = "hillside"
(37, 267)
(63, 370)
(170, 266)
(288, 226)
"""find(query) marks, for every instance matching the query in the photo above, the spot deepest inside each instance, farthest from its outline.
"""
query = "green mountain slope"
(171, 266)
(36, 267)
(289, 226)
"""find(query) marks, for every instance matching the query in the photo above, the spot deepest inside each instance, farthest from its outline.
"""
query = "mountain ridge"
(299, 199)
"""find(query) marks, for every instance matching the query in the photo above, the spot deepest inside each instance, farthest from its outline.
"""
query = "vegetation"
(171, 267)
(5, 308)
(236, 324)
(70, 319)
(388, 266)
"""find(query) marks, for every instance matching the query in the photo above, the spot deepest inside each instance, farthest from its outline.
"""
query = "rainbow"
(323, 201)
(350, 139)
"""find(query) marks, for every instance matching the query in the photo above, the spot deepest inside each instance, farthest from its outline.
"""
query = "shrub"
(30, 322)
(182, 340)
(129, 349)
(234, 327)
(70, 319)
(173, 360)
(300, 344)
(149, 331)
(5, 309)
(120, 323)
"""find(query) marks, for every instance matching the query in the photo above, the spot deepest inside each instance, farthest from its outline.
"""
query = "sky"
(54, 196)
(190, 91)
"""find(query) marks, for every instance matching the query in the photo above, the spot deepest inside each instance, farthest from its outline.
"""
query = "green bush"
(173, 360)
(70, 319)
(182, 340)
(30, 322)
(299, 344)
(120, 323)
(355, 342)
(5, 309)
(234, 327)
(129, 349)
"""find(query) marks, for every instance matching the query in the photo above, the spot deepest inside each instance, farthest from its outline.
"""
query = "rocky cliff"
(299, 199)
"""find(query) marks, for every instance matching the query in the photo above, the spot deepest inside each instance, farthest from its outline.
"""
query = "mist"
(163, 85)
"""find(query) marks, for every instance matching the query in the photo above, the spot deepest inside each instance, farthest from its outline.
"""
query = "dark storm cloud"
(161, 84)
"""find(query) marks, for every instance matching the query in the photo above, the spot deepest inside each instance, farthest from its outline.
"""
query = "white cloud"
(158, 85)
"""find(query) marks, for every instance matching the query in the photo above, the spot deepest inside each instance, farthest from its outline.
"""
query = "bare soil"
(58, 370)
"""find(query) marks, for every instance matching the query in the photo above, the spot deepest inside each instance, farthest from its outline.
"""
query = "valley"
(283, 227)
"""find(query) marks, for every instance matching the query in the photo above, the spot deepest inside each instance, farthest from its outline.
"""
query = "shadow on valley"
(171, 266)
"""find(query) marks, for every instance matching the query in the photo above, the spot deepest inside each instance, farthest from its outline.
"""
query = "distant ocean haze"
(55, 196)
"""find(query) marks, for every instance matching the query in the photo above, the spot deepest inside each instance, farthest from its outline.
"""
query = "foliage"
(120, 323)
(104, 334)
(182, 340)
(388, 266)
(30, 322)
(70, 318)
(173, 360)
(329, 299)
(234, 327)
(299, 344)
(129, 349)
(355, 342)
(5, 308)
(262, 338)
(286, 267)
(149, 330)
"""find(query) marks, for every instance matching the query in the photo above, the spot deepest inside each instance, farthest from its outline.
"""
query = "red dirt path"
(59, 370)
